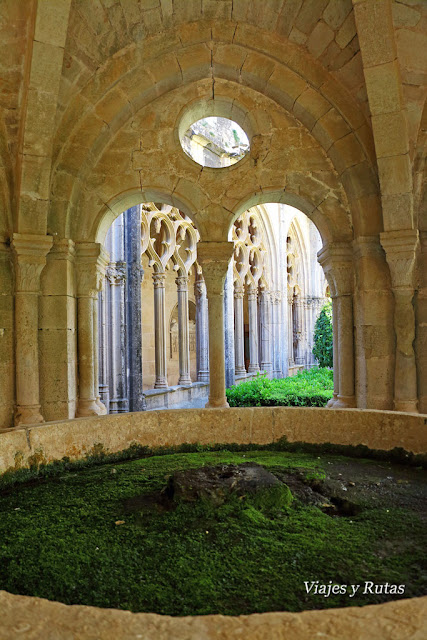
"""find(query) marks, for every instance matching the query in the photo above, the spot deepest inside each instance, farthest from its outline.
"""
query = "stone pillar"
(266, 364)
(253, 331)
(337, 262)
(374, 330)
(57, 333)
(116, 274)
(7, 359)
(214, 258)
(276, 299)
(91, 263)
(239, 328)
(30, 253)
(95, 310)
(401, 250)
(229, 328)
(202, 331)
(135, 275)
(160, 331)
(183, 331)
(335, 359)
(104, 390)
(290, 329)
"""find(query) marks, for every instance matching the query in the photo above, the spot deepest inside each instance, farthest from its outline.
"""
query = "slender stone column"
(183, 331)
(30, 253)
(290, 330)
(401, 250)
(253, 331)
(335, 359)
(104, 390)
(229, 328)
(101, 405)
(214, 258)
(337, 261)
(116, 274)
(266, 364)
(239, 331)
(135, 275)
(91, 263)
(202, 331)
(276, 299)
(160, 331)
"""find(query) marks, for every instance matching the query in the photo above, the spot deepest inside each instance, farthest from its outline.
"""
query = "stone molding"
(401, 252)
(30, 252)
(91, 265)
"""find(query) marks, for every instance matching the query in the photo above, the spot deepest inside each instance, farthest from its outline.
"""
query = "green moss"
(59, 540)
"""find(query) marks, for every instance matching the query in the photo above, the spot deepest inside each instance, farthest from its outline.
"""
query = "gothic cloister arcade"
(94, 103)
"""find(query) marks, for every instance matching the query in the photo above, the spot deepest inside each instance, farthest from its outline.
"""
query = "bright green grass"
(59, 540)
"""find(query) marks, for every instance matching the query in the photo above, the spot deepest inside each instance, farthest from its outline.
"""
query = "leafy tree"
(323, 338)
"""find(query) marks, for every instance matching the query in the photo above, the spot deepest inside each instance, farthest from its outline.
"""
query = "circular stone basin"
(215, 142)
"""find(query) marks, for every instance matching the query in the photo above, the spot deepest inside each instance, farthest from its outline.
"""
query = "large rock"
(219, 483)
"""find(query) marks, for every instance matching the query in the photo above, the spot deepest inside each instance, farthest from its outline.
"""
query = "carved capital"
(199, 289)
(159, 280)
(214, 258)
(239, 291)
(91, 265)
(252, 295)
(30, 253)
(116, 273)
(336, 260)
(181, 283)
(401, 252)
(276, 297)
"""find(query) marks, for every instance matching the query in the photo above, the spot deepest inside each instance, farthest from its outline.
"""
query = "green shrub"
(312, 388)
(323, 337)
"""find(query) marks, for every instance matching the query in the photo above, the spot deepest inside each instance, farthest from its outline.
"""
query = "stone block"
(336, 12)
(221, 11)
(46, 65)
(329, 128)
(228, 60)
(52, 22)
(310, 106)
(14, 449)
(309, 14)
(346, 152)
(412, 50)
(398, 211)
(321, 36)
(287, 16)
(391, 135)
(346, 32)
(285, 86)
(384, 89)
(41, 111)
(256, 70)
(195, 61)
(374, 25)
(395, 175)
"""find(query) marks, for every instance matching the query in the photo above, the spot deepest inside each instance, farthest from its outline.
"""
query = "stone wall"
(261, 425)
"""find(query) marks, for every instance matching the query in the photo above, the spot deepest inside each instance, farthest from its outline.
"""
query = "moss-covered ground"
(71, 538)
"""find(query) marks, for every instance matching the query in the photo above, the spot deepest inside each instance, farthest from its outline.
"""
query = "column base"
(28, 414)
(161, 384)
(87, 408)
(253, 368)
(101, 406)
(345, 402)
(203, 376)
(240, 371)
(406, 406)
(277, 373)
(217, 403)
(184, 381)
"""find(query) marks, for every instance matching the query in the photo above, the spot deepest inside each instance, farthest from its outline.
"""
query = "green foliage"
(59, 540)
(323, 337)
(311, 388)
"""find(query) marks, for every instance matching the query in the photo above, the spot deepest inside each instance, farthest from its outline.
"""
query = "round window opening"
(215, 142)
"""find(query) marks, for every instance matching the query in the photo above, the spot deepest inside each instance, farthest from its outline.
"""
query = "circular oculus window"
(215, 142)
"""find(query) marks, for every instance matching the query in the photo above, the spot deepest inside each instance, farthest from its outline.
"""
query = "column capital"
(30, 253)
(367, 246)
(159, 280)
(401, 251)
(116, 273)
(182, 283)
(199, 288)
(214, 258)
(252, 294)
(336, 259)
(91, 264)
(239, 291)
(276, 297)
